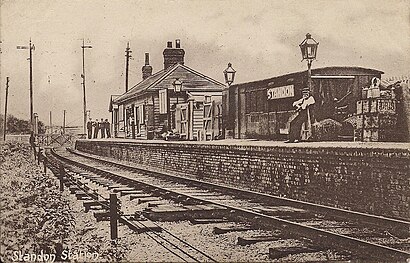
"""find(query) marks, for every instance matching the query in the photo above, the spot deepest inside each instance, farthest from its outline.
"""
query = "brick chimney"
(173, 56)
(146, 69)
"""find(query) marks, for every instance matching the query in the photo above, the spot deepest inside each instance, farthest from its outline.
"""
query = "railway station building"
(177, 100)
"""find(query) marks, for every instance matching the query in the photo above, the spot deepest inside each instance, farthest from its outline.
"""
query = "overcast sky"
(260, 39)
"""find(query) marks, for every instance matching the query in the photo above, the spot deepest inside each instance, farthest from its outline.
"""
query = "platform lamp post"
(177, 84)
(229, 74)
(227, 129)
(177, 87)
(309, 51)
(308, 48)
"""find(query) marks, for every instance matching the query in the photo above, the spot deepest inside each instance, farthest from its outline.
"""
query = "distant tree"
(17, 126)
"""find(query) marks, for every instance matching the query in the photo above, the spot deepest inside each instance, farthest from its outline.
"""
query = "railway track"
(76, 179)
(365, 236)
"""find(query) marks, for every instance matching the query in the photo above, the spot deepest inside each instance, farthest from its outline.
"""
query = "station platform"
(369, 177)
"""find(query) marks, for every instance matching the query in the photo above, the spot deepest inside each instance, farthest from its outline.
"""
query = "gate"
(55, 140)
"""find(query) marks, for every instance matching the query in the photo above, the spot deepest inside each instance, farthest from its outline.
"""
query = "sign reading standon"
(281, 92)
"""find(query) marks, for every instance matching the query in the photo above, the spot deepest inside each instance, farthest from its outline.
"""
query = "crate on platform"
(386, 106)
(359, 121)
(371, 121)
(359, 107)
(362, 106)
(376, 105)
(358, 135)
(373, 105)
(370, 135)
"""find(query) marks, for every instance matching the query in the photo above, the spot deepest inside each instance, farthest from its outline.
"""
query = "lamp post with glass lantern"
(177, 87)
(177, 84)
(308, 48)
(229, 74)
(309, 51)
(227, 129)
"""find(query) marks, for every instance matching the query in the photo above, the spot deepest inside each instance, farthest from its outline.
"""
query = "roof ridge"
(202, 75)
(303, 71)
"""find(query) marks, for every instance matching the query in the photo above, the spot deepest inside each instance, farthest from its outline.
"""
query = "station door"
(183, 120)
(208, 121)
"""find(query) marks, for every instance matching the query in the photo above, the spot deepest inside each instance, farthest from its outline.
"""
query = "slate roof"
(152, 81)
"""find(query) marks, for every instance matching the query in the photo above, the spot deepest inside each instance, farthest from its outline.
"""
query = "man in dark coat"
(89, 128)
(96, 128)
(102, 128)
(107, 128)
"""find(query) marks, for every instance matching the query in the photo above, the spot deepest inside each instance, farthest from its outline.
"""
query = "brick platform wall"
(374, 181)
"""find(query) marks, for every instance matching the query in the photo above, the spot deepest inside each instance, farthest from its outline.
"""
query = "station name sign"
(281, 92)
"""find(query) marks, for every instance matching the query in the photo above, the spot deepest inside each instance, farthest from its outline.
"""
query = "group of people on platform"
(102, 127)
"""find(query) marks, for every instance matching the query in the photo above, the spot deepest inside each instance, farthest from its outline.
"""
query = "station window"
(121, 112)
(163, 101)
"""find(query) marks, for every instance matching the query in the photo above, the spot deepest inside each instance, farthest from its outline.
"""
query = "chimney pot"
(146, 69)
(173, 56)
(146, 59)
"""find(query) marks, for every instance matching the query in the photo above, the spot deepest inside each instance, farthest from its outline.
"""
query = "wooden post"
(62, 173)
(45, 164)
(114, 216)
(5, 110)
(39, 156)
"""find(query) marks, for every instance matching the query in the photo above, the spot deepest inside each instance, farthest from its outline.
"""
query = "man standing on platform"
(96, 128)
(89, 129)
(102, 128)
(107, 128)
(302, 108)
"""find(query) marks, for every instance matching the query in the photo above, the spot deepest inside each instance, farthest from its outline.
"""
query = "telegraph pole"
(127, 56)
(5, 110)
(64, 122)
(84, 97)
(51, 125)
(31, 47)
